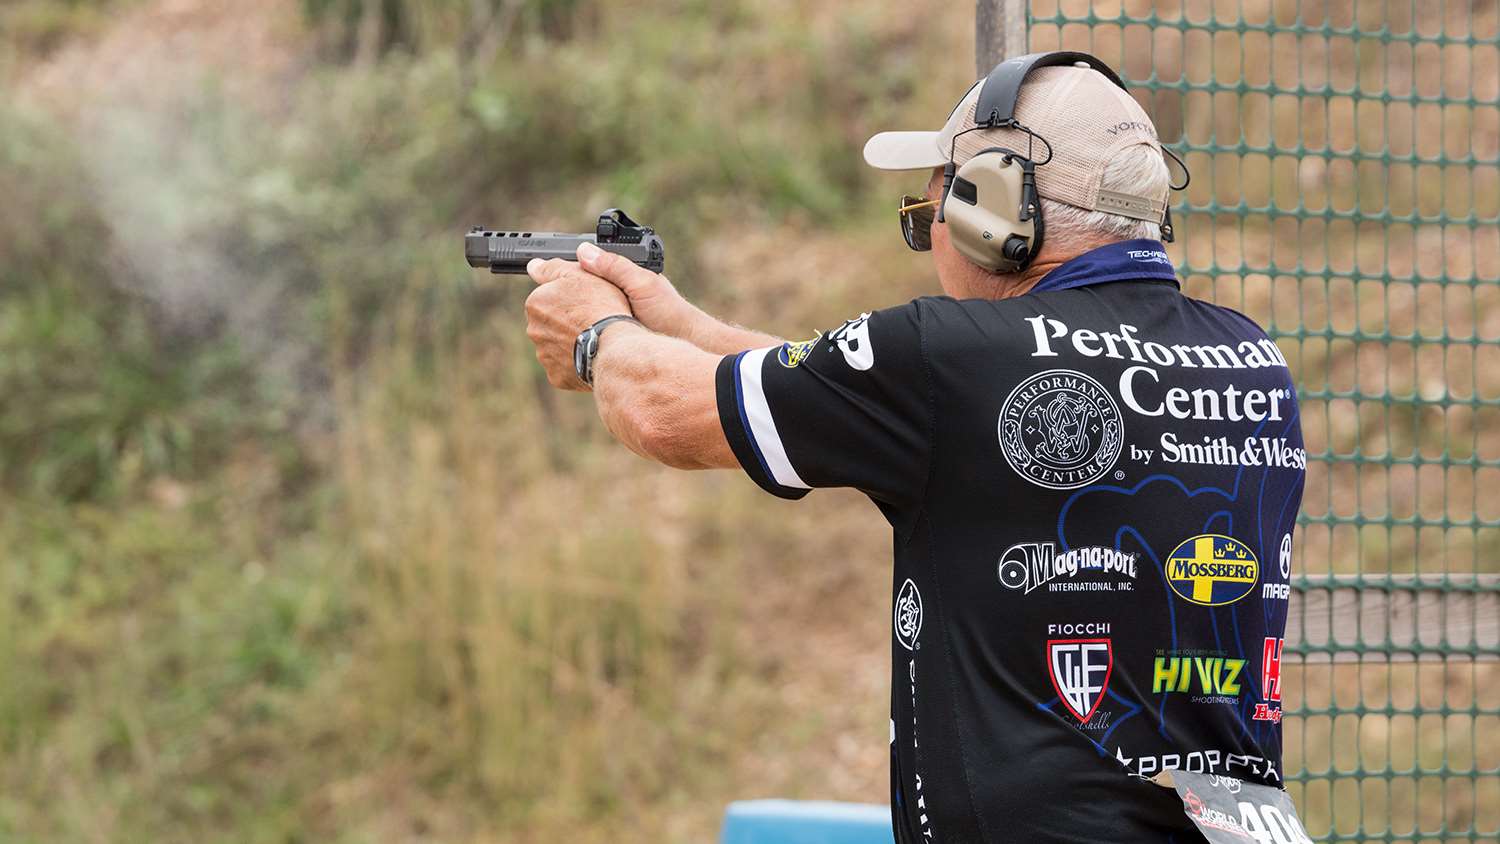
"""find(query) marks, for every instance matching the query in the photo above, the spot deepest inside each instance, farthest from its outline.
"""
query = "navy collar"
(1128, 260)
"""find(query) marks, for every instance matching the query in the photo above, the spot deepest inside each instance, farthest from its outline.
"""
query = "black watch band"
(586, 347)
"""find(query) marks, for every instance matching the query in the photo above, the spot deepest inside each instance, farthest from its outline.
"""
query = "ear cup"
(983, 211)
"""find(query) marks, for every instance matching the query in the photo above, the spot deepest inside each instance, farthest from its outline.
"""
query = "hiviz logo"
(1206, 675)
(1212, 570)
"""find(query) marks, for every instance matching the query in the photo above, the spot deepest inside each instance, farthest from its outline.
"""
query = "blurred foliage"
(365, 29)
(101, 393)
(298, 545)
(39, 26)
(307, 209)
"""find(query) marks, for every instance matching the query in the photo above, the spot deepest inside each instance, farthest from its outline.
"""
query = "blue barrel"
(805, 822)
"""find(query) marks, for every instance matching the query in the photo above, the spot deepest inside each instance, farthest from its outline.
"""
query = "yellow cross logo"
(1212, 560)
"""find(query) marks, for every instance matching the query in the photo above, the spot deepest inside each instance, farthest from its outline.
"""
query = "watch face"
(581, 349)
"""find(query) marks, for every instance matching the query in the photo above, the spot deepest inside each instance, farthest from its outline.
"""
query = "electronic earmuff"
(990, 204)
(1004, 230)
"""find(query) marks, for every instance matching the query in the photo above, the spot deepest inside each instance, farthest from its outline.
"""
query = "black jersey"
(1093, 489)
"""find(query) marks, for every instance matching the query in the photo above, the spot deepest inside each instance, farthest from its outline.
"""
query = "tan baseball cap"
(1086, 117)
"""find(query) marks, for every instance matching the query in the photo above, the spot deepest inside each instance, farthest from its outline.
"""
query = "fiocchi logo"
(1212, 570)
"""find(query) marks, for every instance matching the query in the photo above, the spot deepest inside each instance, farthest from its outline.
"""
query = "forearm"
(656, 394)
(717, 336)
(658, 305)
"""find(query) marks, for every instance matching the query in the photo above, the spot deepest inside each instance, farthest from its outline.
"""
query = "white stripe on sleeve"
(762, 426)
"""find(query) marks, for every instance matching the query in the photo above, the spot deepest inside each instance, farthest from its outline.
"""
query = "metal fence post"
(999, 32)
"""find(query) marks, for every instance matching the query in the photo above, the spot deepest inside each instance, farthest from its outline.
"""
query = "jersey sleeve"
(851, 408)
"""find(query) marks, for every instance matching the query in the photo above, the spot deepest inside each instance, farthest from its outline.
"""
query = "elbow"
(668, 427)
(662, 436)
(667, 415)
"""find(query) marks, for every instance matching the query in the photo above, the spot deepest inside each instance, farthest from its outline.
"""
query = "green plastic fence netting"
(1346, 195)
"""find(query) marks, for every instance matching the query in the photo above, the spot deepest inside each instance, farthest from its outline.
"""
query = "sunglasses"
(916, 221)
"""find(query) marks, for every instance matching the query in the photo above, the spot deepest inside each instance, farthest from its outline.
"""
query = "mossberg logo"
(1184, 569)
(1211, 569)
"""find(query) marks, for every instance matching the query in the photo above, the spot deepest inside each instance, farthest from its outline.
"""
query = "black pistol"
(509, 252)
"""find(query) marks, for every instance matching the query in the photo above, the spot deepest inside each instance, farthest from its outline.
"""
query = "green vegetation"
(297, 545)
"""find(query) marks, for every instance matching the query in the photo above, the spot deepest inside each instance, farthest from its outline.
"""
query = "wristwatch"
(587, 346)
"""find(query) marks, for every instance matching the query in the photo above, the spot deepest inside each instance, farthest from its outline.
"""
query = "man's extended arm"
(825, 420)
(658, 305)
(656, 394)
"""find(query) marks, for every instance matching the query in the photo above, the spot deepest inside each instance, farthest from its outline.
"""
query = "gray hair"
(1137, 169)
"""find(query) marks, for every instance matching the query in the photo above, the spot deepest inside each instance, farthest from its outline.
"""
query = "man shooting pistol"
(1092, 479)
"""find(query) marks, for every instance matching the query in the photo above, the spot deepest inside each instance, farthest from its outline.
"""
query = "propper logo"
(1208, 761)
(1212, 570)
